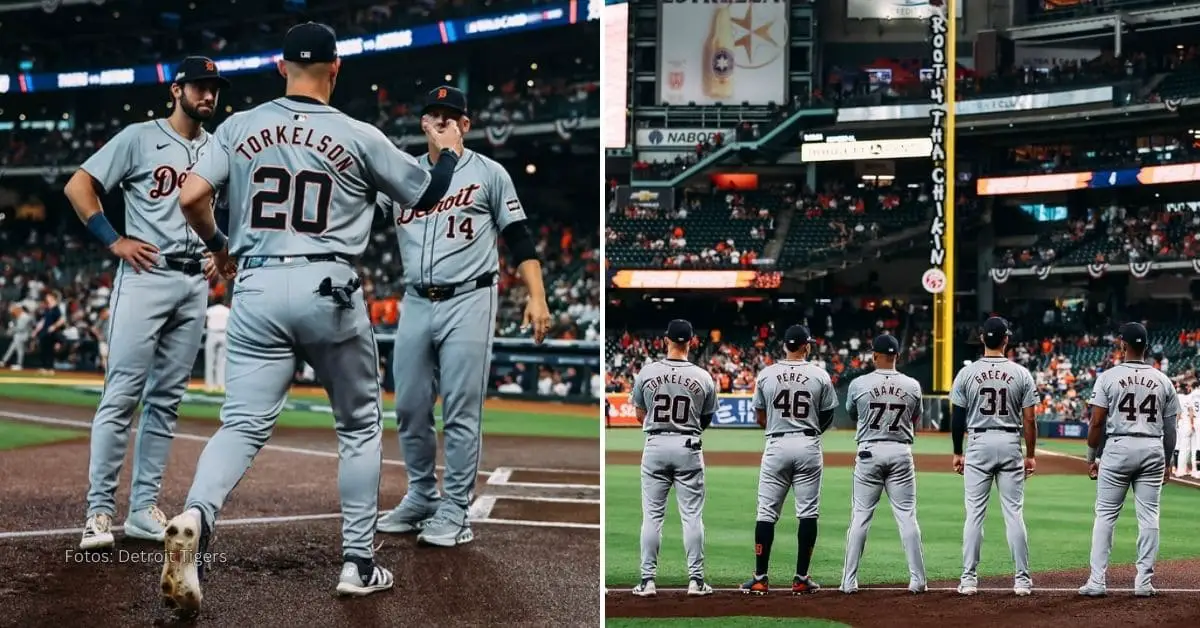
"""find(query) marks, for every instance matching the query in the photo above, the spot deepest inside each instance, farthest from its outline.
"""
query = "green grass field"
(14, 434)
(1058, 515)
(751, 440)
(551, 422)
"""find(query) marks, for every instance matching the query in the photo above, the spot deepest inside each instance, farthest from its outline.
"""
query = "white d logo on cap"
(305, 54)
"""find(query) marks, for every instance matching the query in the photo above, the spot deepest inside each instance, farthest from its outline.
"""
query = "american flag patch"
(514, 205)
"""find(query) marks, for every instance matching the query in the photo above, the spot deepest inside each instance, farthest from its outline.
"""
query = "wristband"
(102, 229)
(217, 242)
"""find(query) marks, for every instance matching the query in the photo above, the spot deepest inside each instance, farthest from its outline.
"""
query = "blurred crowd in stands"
(734, 352)
(1113, 235)
(126, 33)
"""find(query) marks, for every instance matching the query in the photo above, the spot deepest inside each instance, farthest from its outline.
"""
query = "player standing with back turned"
(993, 399)
(801, 402)
(675, 401)
(1134, 407)
(886, 405)
(444, 337)
(302, 179)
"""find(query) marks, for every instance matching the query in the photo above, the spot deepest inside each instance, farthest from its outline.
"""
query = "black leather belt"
(258, 261)
(671, 432)
(885, 440)
(185, 265)
(1130, 436)
(795, 433)
(442, 293)
(980, 430)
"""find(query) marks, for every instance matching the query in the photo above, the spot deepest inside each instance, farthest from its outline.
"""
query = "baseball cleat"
(698, 587)
(646, 588)
(802, 585)
(446, 530)
(180, 576)
(97, 533)
(410, 515)
(353, 582)
(148, 524)
(1196, 475)
(1146, 591)
(848, 589)
(917, 588)
(967, 589)
(756, 585)
(1092, 590)
(1022, 591)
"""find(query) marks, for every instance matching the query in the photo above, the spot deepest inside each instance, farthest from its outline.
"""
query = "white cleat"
(1023, 591)
(180, 579)
(967, 589)
(351, 581)
(646, 588)
(148, 524)
(1146, 591)
(1092, 590)
(698, 587)
(97, 533)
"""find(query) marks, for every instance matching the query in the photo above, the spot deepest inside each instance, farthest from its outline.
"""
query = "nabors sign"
(678, 138)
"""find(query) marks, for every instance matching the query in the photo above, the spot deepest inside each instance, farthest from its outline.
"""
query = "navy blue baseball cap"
(310, 42)
(995, 332)
(1134, 333)
(445, 96)
(194, 69)
(886, 343)
(679, 330)
(795, 337)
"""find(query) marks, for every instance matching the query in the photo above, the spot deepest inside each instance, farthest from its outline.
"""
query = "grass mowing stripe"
(495, 422)
(14, 434)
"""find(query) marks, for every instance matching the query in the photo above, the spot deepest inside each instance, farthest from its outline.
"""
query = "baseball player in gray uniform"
(301, 180)
(886, 406)
(158, 298)
(20, 330)
(444, 339)
(794, 402)
(993, 400)
(675, 400)
(1134, 408)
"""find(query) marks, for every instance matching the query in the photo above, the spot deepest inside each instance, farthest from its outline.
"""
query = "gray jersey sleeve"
(393, 171)
(214, 163)
(958, 393)
(115, 160)
(1029, 399)
(1100, 392)
(506, 207)
(635, 393)
(759, 401)
(711, 404)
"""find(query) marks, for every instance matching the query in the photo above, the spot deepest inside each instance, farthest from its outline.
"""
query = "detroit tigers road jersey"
(151, 160)
(793, 392)
(994, 391)
(1139, 399)
(303, 178)
(456, 241)
(674, 394)
(887, 404)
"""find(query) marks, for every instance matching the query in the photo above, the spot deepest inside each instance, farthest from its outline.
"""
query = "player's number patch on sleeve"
(514, 205)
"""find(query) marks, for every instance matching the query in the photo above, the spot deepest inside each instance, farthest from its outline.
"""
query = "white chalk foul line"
(87, 425)
(1059, 454)
(861, 590)
(500, 477)
(253, 521)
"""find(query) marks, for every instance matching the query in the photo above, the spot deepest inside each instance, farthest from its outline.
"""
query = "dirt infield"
(281, 569)
(1054, 602)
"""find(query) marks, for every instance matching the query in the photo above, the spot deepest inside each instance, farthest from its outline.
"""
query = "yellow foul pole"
(939, 279)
